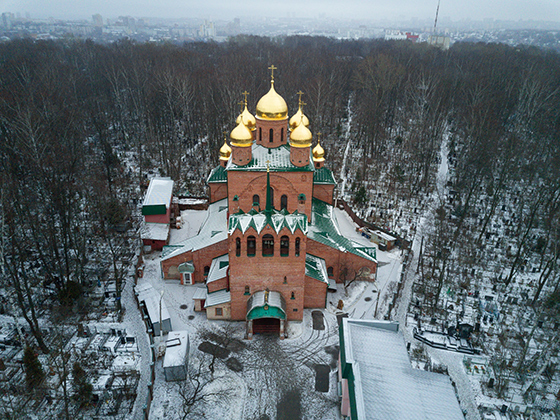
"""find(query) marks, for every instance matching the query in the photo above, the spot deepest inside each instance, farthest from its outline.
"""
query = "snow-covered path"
(135, 326)
(454, 361)
(347, 128)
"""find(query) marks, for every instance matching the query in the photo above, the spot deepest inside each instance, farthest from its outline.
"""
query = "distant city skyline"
(539, 10)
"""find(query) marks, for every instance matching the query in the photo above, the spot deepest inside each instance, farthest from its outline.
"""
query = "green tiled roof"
(316, 268)
(324, 229)
(323, 176)
(279, 160)
(218, 174)
(259, 220)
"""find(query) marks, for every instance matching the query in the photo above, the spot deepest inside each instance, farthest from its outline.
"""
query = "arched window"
(284, 202)
(267, 246)
(247, 290)
(301, 198)
(206, 271)
(285, 280)
(297, 246)
(251, 246)
(330, 272)
(293, 295)
(256, 199)
(282, 135)
(284, 246)
(271, 136)
(237, 247)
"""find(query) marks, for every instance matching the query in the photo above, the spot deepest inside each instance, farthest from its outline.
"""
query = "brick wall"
(291, 184)
(324, 193)
(315, 293)
(217, 285)
(218, 191)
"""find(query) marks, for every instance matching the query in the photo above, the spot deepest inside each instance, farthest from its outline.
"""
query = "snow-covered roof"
(218, 268)
(266, 298)
(316, 268)
(217, 298)
(152, 299)
(159, 192)
(212, 231)
(324, 228)
(154, 231)
(385, 236)
(277, 159)
(200, 293)
(176, 347)
(385, 384)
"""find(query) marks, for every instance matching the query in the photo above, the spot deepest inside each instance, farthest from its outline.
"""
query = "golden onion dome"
(247, 118)
(225, 151)
(301, 136)
(318, 153)
(297, 118)
(241, 136)
(272, 106)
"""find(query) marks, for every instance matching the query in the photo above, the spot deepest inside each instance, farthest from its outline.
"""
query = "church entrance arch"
(266, 313)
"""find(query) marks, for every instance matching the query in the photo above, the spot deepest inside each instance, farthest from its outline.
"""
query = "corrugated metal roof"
(324, 229)
(316, 268)
(218, 174)
(159, 192)
(218, 268)
(212, 231)
(155, 305)
(279, 159)
(323, 176)
(386, 387)
(259, 220)
(217, 298)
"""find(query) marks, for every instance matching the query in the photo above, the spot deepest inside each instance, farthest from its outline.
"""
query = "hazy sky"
(223, 9)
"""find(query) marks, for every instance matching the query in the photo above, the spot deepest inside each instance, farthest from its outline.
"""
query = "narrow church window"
(219, 312)
(285, 280)
(247, 290)
(271, 136)
(251, 246)
(284, 246)
(206, 271)
(271, 192)
(330, 272)
(237, 247)
(260, 133)
(297, 247)
(283, 202)
(282, 135)
(256, 199)
(267, 246)
(293, 295)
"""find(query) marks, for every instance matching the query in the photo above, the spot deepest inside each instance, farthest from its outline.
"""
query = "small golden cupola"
(318, 151)
(225, 152)
(241, 136)
(299, 116)
(246, 117)
(301, 136)
(272, 106)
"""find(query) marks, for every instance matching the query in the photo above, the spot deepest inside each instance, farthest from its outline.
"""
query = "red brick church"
(270, 245)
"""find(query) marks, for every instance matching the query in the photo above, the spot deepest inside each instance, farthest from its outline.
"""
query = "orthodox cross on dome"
(225, 135)
(245, 95)
(267, 165)
(299, 100)
(272, 68)
(319, 137)
(241, 104)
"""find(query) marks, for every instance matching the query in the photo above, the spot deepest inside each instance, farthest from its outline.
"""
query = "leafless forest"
(83, 126)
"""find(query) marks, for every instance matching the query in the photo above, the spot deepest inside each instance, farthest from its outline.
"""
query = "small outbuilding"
(156, 210)
(154, 308)
(176, 356)
(385, 241)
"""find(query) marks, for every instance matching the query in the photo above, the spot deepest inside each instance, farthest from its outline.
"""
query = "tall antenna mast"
(437, 12)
